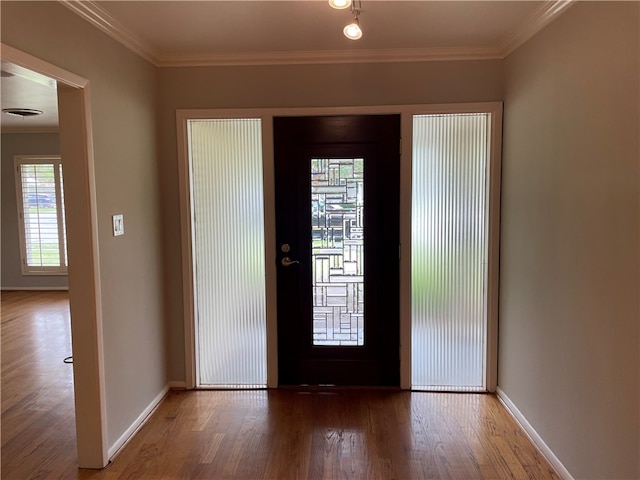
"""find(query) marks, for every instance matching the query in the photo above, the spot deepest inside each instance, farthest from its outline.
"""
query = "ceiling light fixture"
(22, 112)
(340, 4)
(353, 30)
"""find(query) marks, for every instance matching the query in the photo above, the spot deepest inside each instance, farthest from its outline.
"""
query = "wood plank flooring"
(38, 417)
(259, 434)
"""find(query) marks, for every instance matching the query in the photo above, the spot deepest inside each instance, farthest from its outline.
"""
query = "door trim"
(406, 112)
(76, 145)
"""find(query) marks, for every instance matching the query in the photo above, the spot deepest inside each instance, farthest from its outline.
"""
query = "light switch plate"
(118, 225)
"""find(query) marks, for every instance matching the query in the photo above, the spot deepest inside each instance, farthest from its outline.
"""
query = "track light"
(353, 30)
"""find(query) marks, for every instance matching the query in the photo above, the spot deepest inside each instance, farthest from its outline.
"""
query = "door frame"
(76, 150)
(406, 113)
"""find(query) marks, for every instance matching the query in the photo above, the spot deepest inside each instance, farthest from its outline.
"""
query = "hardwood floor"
(260, 434)
(38, 418)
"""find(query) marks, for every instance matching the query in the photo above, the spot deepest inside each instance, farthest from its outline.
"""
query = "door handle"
(286, 261)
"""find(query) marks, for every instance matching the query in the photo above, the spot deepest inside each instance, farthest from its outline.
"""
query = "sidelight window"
(449, 242)
(228, 251)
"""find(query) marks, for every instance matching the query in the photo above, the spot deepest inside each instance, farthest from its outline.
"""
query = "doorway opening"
(81, 221)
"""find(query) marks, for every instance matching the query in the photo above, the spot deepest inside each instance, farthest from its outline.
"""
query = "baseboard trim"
(137, 424)
(34, 288)
(178, 385)
(533, 435)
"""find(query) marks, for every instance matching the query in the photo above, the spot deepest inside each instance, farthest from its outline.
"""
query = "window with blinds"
(449, 251)
(41, 215)
(228, 252)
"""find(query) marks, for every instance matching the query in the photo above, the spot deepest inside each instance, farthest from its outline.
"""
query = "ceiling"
(242, 32)
(22, 88)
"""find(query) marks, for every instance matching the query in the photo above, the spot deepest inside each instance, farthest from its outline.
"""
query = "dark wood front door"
(337, 233)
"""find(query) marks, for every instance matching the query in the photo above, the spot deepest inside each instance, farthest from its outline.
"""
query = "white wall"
(569, 309)
(123, 105)
(21, 144)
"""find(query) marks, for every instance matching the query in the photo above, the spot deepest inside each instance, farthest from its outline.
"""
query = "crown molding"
(540, 18)
(329, 56)
(100, 18)
(13, 129)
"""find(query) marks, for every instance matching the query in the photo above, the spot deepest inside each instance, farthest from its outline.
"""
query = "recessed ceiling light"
(340, 4)
(22, 112)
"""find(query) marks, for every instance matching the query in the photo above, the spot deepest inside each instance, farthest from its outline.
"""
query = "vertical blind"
(449, 251)
(228, 252)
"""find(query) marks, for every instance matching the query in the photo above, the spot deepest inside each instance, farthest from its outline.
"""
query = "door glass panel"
(449, 251)
(337, 237)
(228, 249)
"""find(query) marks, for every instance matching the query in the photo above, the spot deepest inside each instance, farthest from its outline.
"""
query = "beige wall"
(21, 144)
(569, 309)
(123, 105)
(569, 275)
(295, 86)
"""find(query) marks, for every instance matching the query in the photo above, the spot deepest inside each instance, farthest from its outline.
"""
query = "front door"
(337, 233)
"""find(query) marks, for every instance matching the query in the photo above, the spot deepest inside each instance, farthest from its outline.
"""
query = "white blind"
(41, 206)
(449, 251)
(228, 247)
(63, 216)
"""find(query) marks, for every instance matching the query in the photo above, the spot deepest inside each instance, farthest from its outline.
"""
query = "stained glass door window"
(337, 236)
